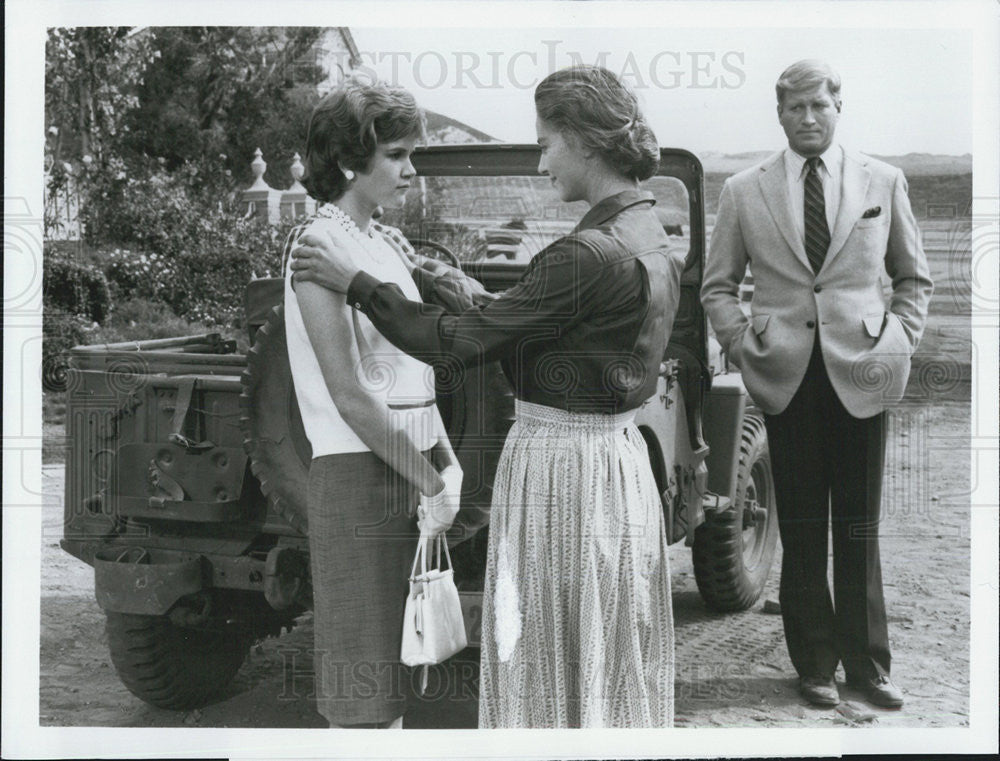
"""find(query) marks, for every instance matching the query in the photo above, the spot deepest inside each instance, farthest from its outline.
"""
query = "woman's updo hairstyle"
(347, 125)
(592, 104)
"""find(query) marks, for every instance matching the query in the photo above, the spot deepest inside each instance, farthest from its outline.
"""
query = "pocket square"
(874, 211)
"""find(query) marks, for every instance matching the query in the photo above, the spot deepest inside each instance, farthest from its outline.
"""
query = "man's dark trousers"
(827, 465)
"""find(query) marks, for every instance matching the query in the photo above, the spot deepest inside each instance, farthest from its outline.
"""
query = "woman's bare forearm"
(372, 421)
(444, 451)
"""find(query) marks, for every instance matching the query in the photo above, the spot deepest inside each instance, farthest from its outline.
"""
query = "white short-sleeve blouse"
(403, 383)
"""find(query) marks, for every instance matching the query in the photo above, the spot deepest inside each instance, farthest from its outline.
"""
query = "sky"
(904, 90)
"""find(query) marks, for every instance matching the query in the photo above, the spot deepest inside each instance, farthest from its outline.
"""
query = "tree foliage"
(124, 102)
(225, 91)
(151, 131)
(92, 76)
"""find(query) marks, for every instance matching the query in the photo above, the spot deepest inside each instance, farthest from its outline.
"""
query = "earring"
(349, 174)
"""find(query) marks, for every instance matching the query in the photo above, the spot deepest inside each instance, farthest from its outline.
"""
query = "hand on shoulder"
(325, 254)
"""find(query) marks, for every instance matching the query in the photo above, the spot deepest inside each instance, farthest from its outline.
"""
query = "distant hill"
(939, 186)
(932, 196)
(913, 164)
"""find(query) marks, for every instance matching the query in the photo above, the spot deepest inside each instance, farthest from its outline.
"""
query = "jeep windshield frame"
(690, 332)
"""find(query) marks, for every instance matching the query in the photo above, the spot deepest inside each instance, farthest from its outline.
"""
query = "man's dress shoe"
(819, 690)
(879, 690)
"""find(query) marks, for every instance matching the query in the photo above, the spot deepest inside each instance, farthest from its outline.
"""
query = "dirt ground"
(732, 669)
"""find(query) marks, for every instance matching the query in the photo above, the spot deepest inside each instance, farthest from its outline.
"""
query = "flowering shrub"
(202, 284)
(134, 274)
(72, 284)
(179, 237)
(216, 272)
(181, 240)
(144, 207)
(143, 320)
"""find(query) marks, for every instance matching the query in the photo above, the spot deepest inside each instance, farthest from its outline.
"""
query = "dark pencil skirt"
(362, 538)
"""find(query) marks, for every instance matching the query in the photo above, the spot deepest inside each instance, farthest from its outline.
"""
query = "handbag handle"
(420, 557)
(442, 544)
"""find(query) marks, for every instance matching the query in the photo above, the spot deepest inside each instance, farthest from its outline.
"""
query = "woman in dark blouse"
(577, 623)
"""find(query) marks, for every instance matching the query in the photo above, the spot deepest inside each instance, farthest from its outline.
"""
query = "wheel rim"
(755, 496)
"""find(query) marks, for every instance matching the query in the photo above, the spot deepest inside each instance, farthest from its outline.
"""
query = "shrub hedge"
(164, 254)
(168, 237)
(61, 331)
(72, 284)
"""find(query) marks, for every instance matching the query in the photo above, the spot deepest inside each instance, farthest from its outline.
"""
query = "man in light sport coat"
(822, 355)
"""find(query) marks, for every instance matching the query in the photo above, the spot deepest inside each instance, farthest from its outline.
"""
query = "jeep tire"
(175, 667)
(733, 550)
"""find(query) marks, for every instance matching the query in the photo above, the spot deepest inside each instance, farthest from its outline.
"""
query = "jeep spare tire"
(273, 434)
(476, 404)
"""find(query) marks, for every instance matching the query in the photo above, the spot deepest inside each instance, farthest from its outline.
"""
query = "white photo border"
(27, 22)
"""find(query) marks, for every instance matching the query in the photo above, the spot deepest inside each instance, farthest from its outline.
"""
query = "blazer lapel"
(774, 187)
(854, 187)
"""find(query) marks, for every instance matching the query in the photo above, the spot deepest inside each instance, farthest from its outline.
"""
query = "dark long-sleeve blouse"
(585, 327)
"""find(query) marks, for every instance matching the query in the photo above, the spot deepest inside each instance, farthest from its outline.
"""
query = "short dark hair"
(347, 125)
(596, 107)
(807, 74)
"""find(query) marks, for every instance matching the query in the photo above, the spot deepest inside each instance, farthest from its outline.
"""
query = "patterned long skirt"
(577, 619)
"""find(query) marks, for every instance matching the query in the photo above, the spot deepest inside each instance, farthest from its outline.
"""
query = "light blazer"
(866, 345)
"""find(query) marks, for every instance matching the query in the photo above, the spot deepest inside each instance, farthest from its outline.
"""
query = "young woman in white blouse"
(380, 451)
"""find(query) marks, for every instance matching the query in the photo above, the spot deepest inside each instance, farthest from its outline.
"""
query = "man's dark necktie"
(817, 231)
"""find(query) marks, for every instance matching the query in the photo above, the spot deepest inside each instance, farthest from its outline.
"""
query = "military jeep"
(186, 477)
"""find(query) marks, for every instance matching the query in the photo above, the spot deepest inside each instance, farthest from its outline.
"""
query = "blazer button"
(810, 324)
(817, 288)
(357, 305)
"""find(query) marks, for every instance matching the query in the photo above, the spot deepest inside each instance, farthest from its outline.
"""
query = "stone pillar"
(261, 200)
(295, 202)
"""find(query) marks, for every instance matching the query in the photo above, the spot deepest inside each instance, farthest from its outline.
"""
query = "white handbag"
(433, 628)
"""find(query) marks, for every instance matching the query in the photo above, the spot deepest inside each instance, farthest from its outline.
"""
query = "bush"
(146, 208)
(61, 331)
(75, 296)
(74, 285)
(215, 273)
(143, 320)
(136, 275)
(182, 242)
